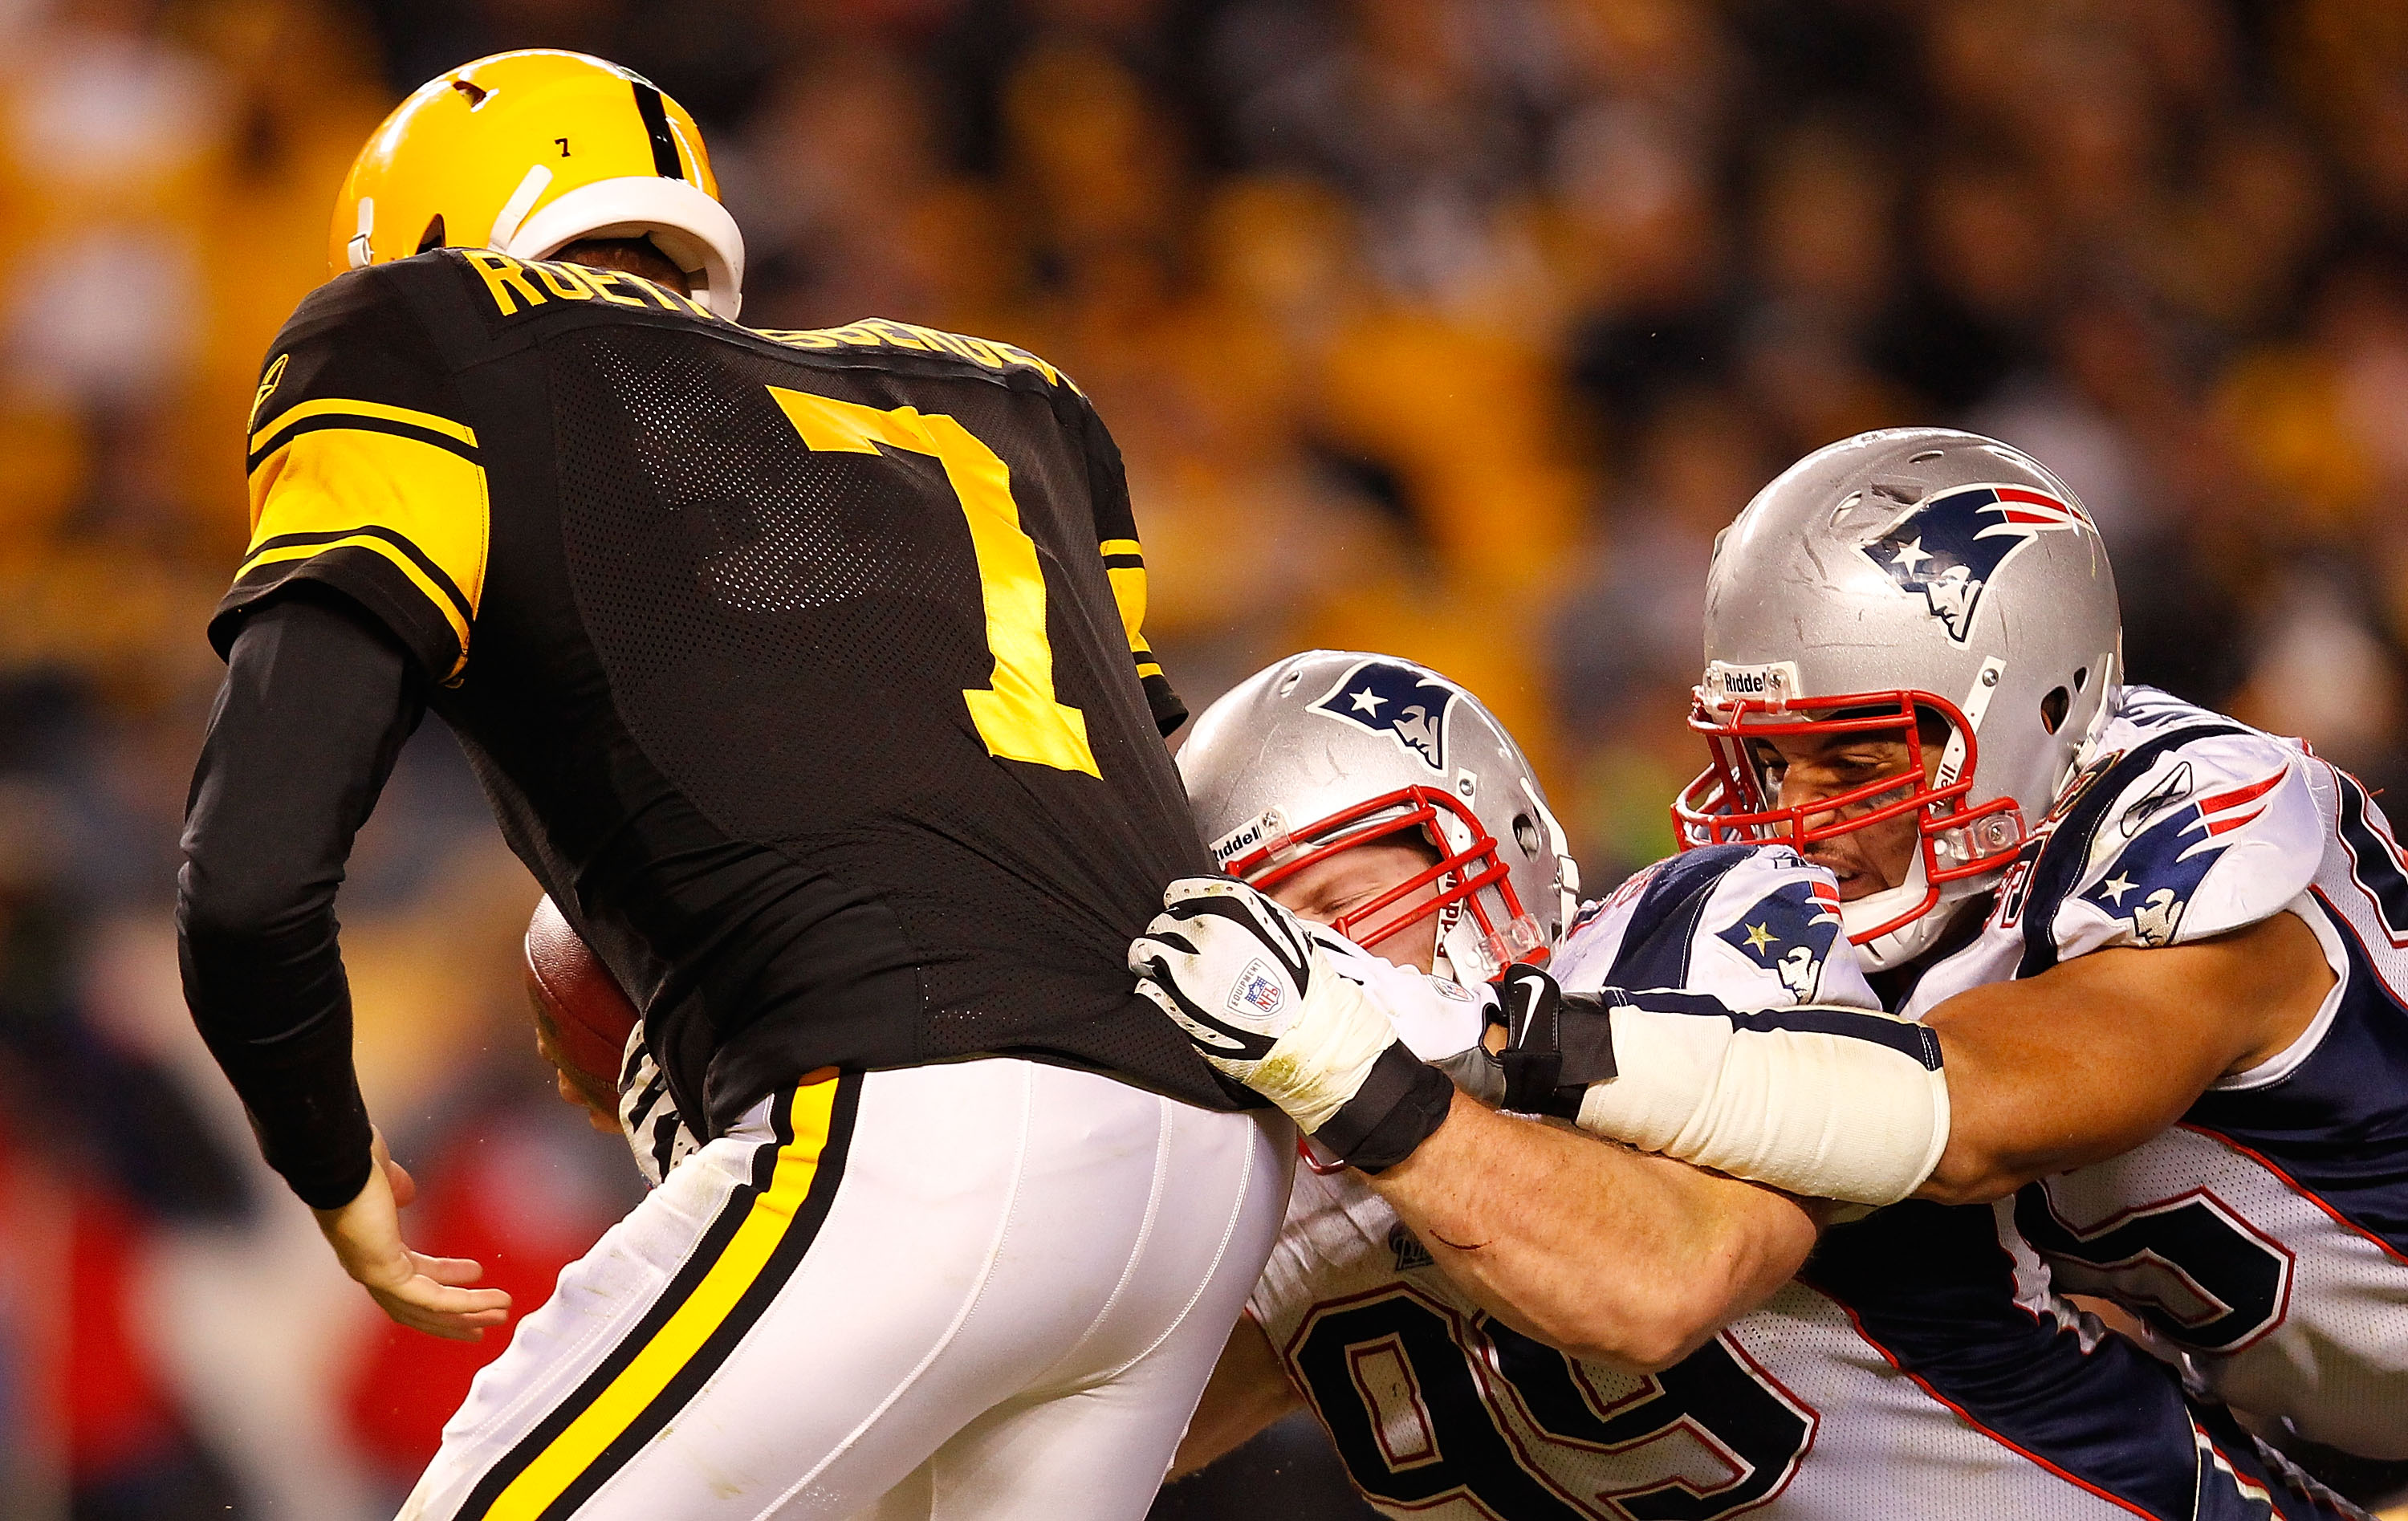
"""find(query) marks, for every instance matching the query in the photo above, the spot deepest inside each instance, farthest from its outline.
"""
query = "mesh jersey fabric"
(2265, 1236)
(722, 685)
(1918, 1366)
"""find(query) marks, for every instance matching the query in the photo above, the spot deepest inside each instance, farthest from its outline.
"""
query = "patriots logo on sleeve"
(1790, 932)
(1948, 548)
(1394, 700)
(2156, 875)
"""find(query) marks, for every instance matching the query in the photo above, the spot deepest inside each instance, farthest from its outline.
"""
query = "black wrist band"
(1399, 1106)
(1562, 1043)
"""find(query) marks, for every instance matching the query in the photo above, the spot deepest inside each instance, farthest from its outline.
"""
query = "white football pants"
(992, 1288)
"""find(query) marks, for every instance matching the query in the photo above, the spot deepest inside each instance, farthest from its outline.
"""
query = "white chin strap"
(693, 230)
(1461, 957)
(1909, 940)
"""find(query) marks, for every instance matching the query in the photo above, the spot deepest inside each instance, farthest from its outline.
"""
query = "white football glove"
(1259, 1000)
(648, 1113)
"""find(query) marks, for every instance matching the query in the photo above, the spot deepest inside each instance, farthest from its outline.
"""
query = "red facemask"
(1462, 876)
(1732, 801)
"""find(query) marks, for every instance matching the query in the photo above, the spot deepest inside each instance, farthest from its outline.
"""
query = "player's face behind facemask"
(1332, 752)
(1850, 800)
(1900, 575)
(1338, 888)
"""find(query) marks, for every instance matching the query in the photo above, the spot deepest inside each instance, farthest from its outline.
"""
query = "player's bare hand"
(424, 1293)
(601, 1111)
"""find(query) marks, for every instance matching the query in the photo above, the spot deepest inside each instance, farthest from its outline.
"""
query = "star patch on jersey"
(2156, 875)
(1790, 933)
(1952, 546)
(1397, 702)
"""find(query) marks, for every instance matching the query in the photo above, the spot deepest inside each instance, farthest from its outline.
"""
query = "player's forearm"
(1608, 1253)
(2024, 1106)
(2090, 1059)
(314, 709)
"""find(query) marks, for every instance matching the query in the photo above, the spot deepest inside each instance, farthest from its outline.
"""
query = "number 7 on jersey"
(1017, 716)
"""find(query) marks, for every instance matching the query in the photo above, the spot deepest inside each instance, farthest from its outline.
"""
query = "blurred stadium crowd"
(1448, 328)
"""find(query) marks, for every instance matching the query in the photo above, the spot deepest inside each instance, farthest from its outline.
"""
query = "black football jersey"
(803, 669)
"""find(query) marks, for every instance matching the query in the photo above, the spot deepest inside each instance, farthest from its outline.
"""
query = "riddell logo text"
(1243, 838)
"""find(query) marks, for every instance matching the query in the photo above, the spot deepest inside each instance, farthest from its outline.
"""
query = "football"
(582, 1017)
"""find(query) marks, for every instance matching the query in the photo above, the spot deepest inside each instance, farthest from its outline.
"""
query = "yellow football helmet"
(525, 152)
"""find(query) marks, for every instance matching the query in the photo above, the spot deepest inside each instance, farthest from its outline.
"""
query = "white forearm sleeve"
(1791, 1098)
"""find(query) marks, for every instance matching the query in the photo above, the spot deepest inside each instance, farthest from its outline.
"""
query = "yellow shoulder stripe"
(401, 561)
(1119, 545)
(345, 406)
(419, 505)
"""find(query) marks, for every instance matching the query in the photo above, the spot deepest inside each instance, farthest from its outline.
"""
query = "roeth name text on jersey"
(513, 285)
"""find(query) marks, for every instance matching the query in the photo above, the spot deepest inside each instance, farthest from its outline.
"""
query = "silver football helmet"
(1904, 575)
(1334, 748)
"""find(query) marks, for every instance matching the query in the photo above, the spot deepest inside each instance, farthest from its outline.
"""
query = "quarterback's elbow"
(239, 910)
(214, 909)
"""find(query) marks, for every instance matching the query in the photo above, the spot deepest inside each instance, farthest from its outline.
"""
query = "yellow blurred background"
(1453, 328)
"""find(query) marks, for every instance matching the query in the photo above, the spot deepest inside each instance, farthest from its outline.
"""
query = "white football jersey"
(2265, 1236)
(1918, 1368)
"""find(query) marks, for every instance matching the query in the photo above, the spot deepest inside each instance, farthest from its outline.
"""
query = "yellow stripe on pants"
(641, 1382)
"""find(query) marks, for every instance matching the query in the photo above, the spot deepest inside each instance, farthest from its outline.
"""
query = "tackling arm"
(2097, 1053)
(2026, 1078)
(1610, 1254)
(1532, 1221)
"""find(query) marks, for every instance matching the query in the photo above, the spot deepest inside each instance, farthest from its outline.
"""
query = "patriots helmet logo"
(2156, 875)
(1952, 546)
(1790, 933)
(1396, 700)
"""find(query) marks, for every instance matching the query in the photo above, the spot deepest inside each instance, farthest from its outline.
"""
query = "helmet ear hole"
(2081, 677)
(433, 236)
(2053, 708)
(1525, 834)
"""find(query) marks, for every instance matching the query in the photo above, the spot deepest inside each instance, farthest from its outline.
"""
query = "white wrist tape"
(1324, 1058)
(1826, 1103)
